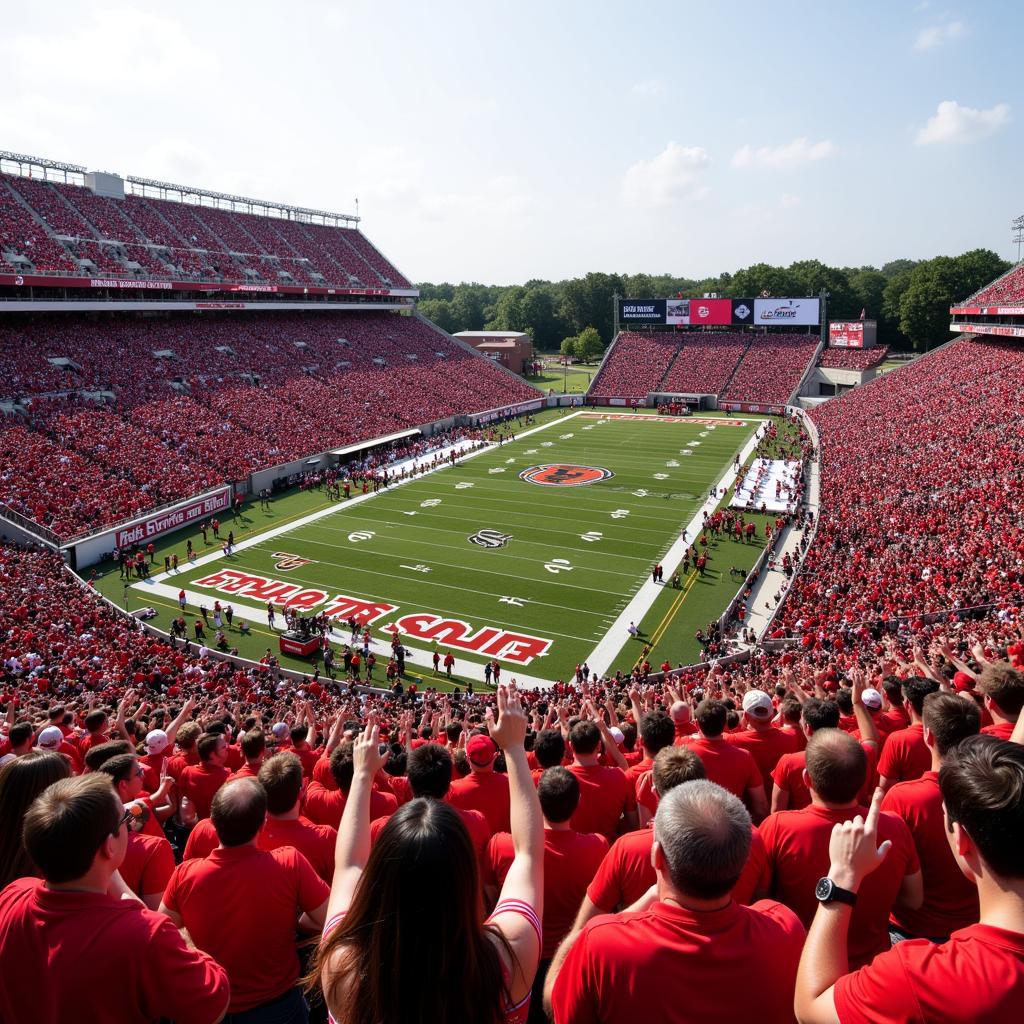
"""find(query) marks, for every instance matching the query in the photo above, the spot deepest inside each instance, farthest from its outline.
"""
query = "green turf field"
(539, 592)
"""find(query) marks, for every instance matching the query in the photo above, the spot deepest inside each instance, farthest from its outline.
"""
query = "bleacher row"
(853, 358)
(189, 402)
(736, 367)
(67, 229)
(1007, 290)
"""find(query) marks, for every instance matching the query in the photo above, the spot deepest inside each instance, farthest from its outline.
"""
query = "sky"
(499, 142)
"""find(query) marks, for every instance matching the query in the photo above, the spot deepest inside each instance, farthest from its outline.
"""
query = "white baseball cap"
(872, 699)
(156, 741)
(50, 738)
(757, 703)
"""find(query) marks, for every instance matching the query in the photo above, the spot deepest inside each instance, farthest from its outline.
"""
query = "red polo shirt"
(732, 768)
(950, 900)
(240, 905)
(606, 794)
(765, 746)
(669, 963)
(315, 842)
(978, 975)
(476, 825)
(62, 946)
(202, 841)
(148, 864)
(200, 782)
(626, 872)
(789, 777)
(796, 843)
(326, 806)
(1000, 729)
(486, 792)
(905, 755)
(570, 861)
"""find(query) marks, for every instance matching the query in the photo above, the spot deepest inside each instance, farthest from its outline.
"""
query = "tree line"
(909, 298)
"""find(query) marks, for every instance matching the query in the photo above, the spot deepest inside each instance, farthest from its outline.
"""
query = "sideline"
(605, 653)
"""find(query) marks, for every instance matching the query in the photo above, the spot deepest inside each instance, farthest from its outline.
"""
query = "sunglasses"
(131, 812)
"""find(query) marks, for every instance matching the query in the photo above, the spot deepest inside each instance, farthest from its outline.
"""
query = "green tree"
(588, 346)
(568, 347)
(440, 312)
(751, 281)
(587, 301)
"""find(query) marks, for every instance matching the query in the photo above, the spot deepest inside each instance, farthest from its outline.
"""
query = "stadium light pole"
(1017, 227)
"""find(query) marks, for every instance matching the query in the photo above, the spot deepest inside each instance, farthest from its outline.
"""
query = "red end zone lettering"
(492, 641)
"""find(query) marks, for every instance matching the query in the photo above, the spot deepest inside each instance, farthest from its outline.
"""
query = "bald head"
(680, 712)
(238, 811)
(837, 766)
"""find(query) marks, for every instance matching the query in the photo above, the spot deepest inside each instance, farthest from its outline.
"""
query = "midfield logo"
(490, 538)
(565, 475)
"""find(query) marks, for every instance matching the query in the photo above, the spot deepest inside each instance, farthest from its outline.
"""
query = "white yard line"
(602, 656)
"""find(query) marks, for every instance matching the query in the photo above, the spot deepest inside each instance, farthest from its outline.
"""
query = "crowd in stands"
(771, 368)
(144, 237)
(635, 366)
(227, 395)
(173, 830)
(1006, 291)
(705, 363)
(853, 358)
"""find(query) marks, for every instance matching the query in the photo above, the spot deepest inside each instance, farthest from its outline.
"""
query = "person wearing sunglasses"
(78, 930)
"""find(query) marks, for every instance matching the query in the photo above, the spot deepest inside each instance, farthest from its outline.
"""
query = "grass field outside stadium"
(529, 551)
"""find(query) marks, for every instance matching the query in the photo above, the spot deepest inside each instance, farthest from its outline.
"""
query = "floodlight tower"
(1017, 227)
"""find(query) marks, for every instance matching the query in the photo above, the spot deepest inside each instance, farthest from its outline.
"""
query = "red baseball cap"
(962, 681)
(481, 750)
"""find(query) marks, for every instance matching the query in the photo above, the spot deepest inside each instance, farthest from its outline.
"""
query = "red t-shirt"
(240, 905)
(626, 872)
(796, 843)
(148, 864)
(950, 900)
(905, 755)
(62, 946)
(789, 777)
(1000, 729)
(765, 746)
(570, 860)
(200, 782)
(669, 963)
(202, 841)
(605, 795)
(732, 768)
(245, 772)
(326, 806)
(978, 975)
(315, 842)
(486, 792)
(476, 825)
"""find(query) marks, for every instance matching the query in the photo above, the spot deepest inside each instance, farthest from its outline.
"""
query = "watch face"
(823, 889)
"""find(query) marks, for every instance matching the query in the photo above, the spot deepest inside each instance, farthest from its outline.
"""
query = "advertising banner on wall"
(742, 311)
(843, 334)
(641, 311)
(711, 311)
(787, 312)
(677, 311)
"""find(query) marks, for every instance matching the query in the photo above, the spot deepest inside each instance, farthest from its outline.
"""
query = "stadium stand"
(705, 363)
(1007, 290)
(771, 368)
(636, 366)
(853, 358)
(200, 401)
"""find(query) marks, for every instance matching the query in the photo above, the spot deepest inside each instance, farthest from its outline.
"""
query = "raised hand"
(510, 728)
(366, 754)
(853, 847)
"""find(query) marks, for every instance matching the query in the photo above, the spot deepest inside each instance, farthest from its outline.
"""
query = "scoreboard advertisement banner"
(787, 312)
(641, 311)
(711, 311)
(843, 334)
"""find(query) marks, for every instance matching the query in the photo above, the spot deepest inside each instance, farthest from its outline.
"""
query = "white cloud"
(935, 35)
(954, 123)
(672, 175)
(790, 154)
(787, 201)
(652, 87)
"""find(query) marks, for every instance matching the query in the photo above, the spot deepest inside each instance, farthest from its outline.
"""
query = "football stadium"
(386, 651)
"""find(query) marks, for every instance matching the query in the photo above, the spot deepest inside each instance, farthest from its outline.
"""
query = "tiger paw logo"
(565, 475)
(289, 562)
(490, 538)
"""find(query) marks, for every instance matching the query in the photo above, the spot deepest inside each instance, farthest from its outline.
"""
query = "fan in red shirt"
(978, 975)
(67, 938)
(253, 745)
(764, 743)
(733, 769)
(200, 782)
(686, 948)
(325, 806)
(797, 843)
(950, 900)
(657, 731)
(241, 904)
(680, 714)
(905, 756)
(429, 771)
(96, 726)
(570, 860)
(607, 799)
(1002, 688)
(484, 789)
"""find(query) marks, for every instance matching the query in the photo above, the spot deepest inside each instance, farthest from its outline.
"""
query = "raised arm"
(183, 716)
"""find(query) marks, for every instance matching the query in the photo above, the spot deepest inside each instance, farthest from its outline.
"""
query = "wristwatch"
(828, 892)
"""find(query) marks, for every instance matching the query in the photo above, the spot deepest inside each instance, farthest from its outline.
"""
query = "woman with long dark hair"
(406, 941)
(21, 781)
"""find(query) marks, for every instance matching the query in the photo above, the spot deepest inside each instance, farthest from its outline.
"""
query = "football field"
(528, 552)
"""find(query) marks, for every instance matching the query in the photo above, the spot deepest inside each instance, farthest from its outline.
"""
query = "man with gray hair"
(684, 943)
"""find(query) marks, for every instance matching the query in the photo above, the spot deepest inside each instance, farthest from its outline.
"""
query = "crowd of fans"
(705, 363)
(175, 833)
(1007, 291)
(635, 366)
(204, 401)
(853, 358)
(157, 238)
(771, 368)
